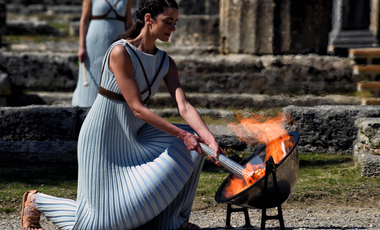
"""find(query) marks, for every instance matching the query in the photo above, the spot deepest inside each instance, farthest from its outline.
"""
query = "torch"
(84, 75)
(229, 164)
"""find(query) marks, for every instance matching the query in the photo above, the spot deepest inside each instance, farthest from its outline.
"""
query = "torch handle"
(85, 83)
(226, 162)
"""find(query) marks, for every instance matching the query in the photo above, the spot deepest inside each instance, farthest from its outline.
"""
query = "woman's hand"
(81, 54)
(192, 143)
(215, 146)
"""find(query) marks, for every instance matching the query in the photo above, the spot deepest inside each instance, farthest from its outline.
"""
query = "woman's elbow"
(184, 110)
(138, 111)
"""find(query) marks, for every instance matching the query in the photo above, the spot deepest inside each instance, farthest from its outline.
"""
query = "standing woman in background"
(101, 23)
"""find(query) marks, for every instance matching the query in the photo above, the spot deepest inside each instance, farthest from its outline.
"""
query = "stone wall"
(41, 133)
(272, 75)
(367, 146)
(327, 129)
(41, 71)
(50, 133)
(33, 28)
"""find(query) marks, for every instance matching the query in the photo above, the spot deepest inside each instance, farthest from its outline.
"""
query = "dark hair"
(154, 8)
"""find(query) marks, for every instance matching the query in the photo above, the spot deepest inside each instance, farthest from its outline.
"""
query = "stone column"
(281, 26)
(374, 20)
(246, 26)
(350, 26)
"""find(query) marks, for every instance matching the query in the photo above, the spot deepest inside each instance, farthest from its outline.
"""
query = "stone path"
(300, 218)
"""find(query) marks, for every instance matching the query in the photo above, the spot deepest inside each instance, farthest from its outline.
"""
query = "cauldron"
(264, 193)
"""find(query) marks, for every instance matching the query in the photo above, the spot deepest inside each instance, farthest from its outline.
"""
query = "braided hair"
(154, 8)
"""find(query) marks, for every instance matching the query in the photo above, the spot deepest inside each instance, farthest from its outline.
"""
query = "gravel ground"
(301, 218)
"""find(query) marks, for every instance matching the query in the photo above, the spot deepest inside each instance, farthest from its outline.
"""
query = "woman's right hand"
(81, 54)
(192, 142)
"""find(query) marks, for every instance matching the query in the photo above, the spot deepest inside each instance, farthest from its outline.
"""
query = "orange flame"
(254, 130)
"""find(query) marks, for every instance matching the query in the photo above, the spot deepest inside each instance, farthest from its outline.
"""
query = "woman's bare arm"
(121, 66)
(187, 111)
(83, 26)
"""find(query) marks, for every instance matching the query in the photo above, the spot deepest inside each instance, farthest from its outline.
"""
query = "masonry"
(50, 133)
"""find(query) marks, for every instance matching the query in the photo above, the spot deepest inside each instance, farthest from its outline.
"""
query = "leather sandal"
(188, 226)
(30, 221)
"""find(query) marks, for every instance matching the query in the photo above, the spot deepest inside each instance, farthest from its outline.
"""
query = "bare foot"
(30, 216)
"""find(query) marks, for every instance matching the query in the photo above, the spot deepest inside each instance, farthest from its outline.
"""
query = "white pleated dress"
(131, 175)
(100, 35)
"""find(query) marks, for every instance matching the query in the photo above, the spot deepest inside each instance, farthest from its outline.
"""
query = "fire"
(254, 130)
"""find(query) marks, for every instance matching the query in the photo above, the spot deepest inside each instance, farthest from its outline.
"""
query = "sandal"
(31, 221)
(188, 226)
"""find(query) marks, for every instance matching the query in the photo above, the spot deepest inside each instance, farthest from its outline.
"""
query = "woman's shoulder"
(119, 51)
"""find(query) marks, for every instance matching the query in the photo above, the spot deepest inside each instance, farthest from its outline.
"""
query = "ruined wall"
(272, 75)
(327, 129)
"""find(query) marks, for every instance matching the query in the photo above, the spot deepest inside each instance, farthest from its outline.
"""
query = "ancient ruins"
(306, 57)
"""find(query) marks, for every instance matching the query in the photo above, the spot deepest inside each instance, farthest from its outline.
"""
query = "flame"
(254, 130)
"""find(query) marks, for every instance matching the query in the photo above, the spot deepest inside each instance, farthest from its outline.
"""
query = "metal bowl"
(254, 196)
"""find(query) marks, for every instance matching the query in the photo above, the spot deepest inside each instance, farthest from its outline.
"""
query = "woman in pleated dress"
(101, 23)
(136, 170)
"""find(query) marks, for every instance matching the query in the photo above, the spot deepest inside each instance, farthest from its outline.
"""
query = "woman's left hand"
(218, 150)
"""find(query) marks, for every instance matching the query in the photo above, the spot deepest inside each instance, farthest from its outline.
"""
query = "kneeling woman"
(136, 170)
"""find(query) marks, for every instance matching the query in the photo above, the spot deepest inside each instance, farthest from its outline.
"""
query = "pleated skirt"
(131, 175)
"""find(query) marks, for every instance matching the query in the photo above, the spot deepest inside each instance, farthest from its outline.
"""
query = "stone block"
(26, 9)
(64, 9)
(40, 133)
(40, 123)
(368, 138)
(42, 71)
(327, 129)
(32, 28)
(370, 164)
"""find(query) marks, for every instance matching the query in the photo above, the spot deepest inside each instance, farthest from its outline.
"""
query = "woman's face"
(165, 23)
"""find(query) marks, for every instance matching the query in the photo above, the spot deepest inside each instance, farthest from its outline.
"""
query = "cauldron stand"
(269, 169)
